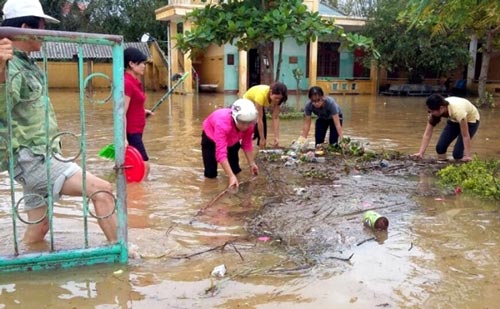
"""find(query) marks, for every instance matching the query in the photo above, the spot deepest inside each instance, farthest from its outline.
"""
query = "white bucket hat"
(22, 8)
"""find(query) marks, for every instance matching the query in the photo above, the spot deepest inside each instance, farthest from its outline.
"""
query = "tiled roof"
(66, 51)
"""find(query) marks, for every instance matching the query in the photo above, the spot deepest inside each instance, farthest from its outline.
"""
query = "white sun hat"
(23, 8)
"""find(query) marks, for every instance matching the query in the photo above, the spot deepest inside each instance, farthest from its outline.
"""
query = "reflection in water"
(444, 251)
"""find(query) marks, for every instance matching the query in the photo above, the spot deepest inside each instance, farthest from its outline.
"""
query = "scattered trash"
(299, 190)
(309, 156)
(291, 162)
(271, 151)
(264, 238)
(219, 271)
(319, 160)
(458, 190)
(292, 154)
(118, 272)
(298, 144)
(310, 145)
(439, 199)
(375, 221)
(384, 163)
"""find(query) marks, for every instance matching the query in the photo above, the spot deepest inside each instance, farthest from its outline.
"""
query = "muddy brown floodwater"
(292, 237)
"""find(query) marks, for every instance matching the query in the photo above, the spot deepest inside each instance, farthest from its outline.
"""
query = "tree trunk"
(483, 76)
(266, 63)
(280, 60)
(471, 68)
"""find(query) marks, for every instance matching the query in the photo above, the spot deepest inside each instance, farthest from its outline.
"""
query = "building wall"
(65, 75)
(156, 76)
(210, 67)
(62, 74)
(344, 87)
(294, 56)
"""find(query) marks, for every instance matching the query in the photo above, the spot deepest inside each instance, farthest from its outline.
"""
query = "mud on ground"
(314, 210)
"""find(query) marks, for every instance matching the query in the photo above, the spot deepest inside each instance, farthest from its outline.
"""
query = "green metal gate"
(85, 255)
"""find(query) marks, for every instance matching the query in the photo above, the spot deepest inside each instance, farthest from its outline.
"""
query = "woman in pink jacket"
(225, 131)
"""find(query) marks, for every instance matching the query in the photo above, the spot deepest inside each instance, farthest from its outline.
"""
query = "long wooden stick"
(216, 198)
(169, 92)
(212, 202)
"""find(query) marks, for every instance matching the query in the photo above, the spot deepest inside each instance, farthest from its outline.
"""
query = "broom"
(108, 152)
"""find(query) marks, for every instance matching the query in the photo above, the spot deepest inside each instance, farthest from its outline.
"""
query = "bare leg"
(146, 170)
(36, 232)
(103, 202)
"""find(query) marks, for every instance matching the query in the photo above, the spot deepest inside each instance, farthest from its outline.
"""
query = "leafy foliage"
(415, 50)
(247, 24)
(298, 74)
(480, 18)
(477, 177)
(130, 18)
(347, 147)
(252, 24)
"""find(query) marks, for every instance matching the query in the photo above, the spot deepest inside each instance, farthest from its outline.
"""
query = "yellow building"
(227, 69)
(63, 69)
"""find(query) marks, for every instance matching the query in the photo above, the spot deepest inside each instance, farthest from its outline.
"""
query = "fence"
(56, 257)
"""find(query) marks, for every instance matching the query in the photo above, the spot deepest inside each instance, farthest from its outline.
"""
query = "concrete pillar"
(179, 62)
(188, 65)
(242, 72)
(374, 75)
(313, 63)
(313, 49)
(173, 53)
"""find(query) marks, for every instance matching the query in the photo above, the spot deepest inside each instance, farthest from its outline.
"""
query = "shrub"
(476, 177)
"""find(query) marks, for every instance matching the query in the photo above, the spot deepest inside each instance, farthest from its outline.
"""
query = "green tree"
(353, 7)
(411, 49)
(476, 18)
(253, 24)
(130, 18)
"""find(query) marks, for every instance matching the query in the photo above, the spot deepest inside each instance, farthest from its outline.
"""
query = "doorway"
(253, 67)
(260, 68)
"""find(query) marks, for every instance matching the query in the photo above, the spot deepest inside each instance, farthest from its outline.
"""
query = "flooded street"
(441, 251)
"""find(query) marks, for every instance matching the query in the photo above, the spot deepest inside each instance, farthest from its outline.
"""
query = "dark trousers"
(322, 126)
(135, 140)
(209, 161)
(256, 134)
(451, 132)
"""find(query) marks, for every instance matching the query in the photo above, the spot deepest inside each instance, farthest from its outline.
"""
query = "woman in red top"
(135, 64)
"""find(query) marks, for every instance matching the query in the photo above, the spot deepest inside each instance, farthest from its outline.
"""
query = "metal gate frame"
(113, 253)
